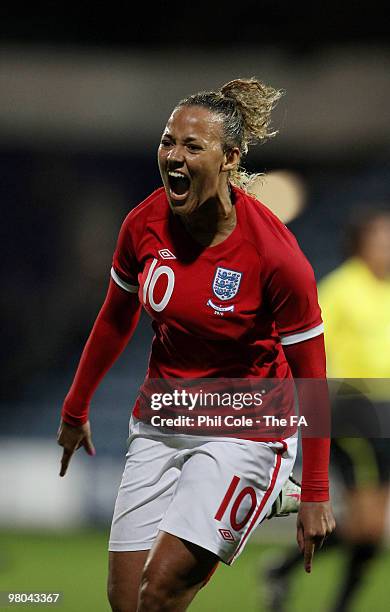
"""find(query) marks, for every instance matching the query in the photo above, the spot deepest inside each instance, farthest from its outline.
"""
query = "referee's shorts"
(360, 453)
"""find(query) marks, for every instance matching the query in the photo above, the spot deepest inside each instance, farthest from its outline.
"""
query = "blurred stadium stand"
(81, 111)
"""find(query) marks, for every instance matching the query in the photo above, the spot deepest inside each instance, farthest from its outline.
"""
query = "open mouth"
(179, 185)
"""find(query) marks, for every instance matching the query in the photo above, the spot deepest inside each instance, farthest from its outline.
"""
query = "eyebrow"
(188, 139)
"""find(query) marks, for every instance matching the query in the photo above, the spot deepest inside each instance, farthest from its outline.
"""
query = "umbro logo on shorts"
(227, 535)
(166, 254)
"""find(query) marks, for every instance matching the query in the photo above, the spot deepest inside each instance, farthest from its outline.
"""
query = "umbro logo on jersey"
(227, 535)
(166, 254)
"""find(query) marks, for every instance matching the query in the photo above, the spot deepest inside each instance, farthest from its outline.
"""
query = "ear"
(231, 159)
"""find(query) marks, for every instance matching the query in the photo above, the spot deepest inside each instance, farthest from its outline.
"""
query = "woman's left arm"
(315, 518)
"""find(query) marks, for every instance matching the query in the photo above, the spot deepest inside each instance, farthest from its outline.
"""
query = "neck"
(378, 269)
(213, 221)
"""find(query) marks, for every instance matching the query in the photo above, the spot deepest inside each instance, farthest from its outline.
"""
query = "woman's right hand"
(71, 437)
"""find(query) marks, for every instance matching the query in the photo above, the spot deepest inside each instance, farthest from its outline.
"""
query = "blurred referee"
(355, 303)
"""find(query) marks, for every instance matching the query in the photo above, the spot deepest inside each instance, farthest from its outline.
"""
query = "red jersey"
(219, 311)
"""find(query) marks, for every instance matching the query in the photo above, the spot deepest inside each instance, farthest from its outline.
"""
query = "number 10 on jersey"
(150, 283)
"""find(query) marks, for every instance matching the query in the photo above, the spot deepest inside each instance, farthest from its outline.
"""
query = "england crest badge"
(226, 283)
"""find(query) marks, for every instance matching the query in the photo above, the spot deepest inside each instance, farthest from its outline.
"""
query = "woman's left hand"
(315, 523)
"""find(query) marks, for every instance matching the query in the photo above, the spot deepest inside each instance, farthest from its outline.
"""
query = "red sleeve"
(291, 289)
(111, 332)
(124, 261)
(307, 361)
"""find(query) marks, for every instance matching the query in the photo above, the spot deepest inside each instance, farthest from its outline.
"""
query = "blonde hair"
(245, 106)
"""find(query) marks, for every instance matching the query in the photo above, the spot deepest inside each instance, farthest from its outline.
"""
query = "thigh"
(365, 515)
(124, 578)
(225, 490)
(363, 465)
(174, 572)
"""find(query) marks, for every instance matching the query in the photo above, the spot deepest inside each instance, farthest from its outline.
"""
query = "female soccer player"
(231, 296)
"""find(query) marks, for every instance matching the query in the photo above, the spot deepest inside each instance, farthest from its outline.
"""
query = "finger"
(321, 541)
(88, 445)
(300, 539)
(59, 430)
(308, 555)
(66, 457)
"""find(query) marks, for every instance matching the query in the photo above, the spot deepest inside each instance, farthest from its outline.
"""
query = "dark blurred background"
(85, 92)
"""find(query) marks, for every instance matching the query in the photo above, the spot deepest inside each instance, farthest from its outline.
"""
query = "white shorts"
(212, 492)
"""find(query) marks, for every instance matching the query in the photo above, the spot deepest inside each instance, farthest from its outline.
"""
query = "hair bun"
(255, 101)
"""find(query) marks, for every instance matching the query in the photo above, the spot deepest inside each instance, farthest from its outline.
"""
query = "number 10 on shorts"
(231, 494)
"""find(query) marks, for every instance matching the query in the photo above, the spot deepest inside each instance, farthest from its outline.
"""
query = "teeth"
(176, 174)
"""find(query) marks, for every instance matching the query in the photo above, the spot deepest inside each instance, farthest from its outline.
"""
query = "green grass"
(76, 564)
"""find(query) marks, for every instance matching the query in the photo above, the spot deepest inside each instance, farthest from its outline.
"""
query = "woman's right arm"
(111, 332)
